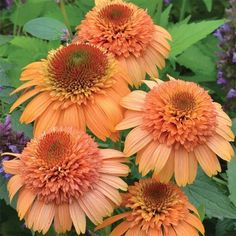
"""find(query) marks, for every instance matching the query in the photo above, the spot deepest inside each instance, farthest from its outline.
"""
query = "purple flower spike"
(218, 34)
(231, 94)
(234, 58)
(167, 2)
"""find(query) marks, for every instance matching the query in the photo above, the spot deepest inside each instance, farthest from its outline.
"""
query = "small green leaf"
(231, 172)
(45, 28)
(4, 39)
(208, 4)
(185, 35)
(165, 16)
(3, 190)
(204, 191)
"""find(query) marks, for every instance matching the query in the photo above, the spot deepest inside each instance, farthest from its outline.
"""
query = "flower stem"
(182, 10)
(66, 19)
(16, 18)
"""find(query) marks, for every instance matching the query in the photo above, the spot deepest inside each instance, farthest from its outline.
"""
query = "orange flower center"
(78, 70)
(122, 28)
(179, 113)
(61, 165)
(150, 199)
(117, 14)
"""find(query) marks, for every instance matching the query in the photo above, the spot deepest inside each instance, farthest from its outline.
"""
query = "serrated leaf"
(165, 16)
(45, 28)
(231, 172)
(200, 59)
(204, 191)
(208, 4)
(185, 35)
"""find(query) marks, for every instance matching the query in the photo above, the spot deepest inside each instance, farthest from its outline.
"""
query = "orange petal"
(195, 221)
(137, 139)
(207, 159)
(130, 121)
(184, 229)
(36, 107)
(120, 229)
(134, 101)
(14, 184)
(78, 217)
(181, 166)
(12, 167)
(64, 217)
(114, 181)
(24, 97)
(192, 167)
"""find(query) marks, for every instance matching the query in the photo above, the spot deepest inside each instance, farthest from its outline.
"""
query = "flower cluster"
(227, 57)
(62, 177)
(10, 141)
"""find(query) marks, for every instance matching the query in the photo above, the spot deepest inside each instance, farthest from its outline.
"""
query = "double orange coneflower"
(62, 176)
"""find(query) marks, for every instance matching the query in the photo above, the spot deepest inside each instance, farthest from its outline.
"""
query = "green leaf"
(4, 39)
(204, 191)
(45, 28)
(231, 172)
(226, 227)
(185, 35)
(200, 59)
(3, 190)
(208, 4)
(165, 16)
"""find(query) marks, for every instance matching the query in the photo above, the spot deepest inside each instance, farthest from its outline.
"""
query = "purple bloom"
(218, 34)
(9, 3)
(65, 35)
(167, 2)
(10, 141)
(221, 81)
(234, 58)
(231, 94)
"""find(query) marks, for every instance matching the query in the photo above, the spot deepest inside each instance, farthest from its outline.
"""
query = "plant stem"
(66, 19)
(159, 10)
(182, 10)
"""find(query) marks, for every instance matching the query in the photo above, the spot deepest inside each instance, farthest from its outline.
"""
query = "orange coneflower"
(178, 125)
(62, 177)
(129, 33)
(78, 85)
(156, 209)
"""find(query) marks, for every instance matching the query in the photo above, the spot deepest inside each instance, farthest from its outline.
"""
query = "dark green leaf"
(231, 172)
(208, 4)
(204, 191)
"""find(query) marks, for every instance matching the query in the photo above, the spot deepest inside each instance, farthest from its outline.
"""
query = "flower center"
(183, 101)
(53, 147)
(179, 113)
(61, 165)
(116, 14)
(76, 70)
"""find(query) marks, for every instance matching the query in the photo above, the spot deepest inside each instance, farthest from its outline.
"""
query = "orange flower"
(178, 125)
(78, 85)
(156, 209)
(129, 33)
(63, 177)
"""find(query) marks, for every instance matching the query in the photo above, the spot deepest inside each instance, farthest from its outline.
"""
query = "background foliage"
(29, 29)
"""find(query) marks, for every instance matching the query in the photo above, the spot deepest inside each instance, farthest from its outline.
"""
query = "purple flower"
(65, 35)
(167, 2)
(218, 34)
(10, 141)
(9, 3)
(234, 58)
(231, 94)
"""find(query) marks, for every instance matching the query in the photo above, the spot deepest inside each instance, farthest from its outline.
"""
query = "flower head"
(78, 85)
(156, 209)
(62, 177)
(178, 125)
(129, 33)
(10, 141)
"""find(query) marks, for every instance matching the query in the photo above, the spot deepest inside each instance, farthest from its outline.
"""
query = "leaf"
(201, 60)
(226, 227)
(204, 191)
(231, 172)
(185, 35)
(4, 39)
(45, 28)
(165, 16)
(3, 190)
(208, 4)
(17, 126)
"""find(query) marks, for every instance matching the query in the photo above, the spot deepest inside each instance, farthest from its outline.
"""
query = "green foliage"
(208, 4)
(185, 35)
(231, 172)
(45, 28)
(204, 191)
